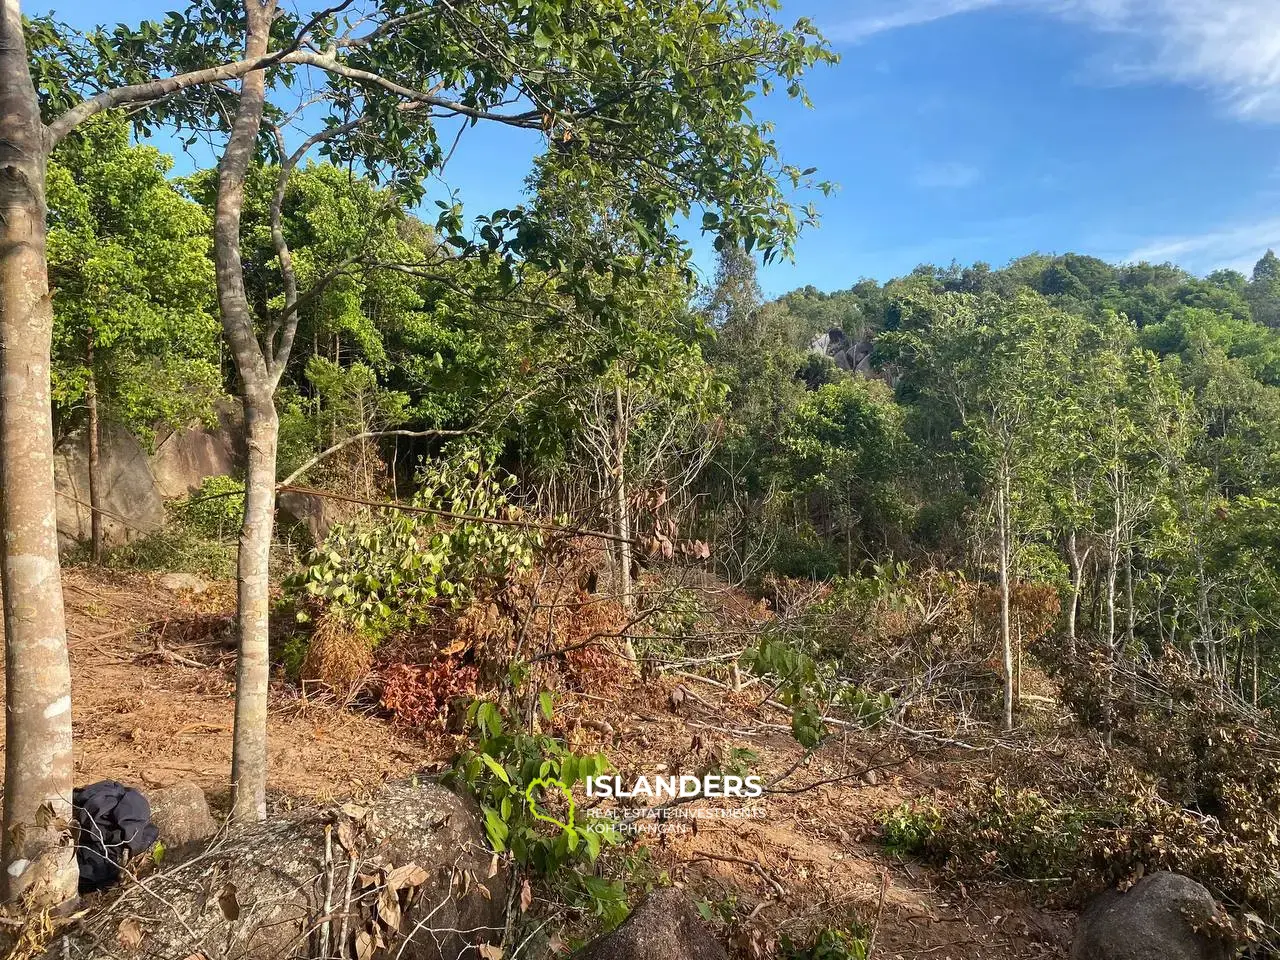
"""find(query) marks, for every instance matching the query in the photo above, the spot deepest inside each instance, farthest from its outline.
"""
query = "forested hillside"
(396, 528)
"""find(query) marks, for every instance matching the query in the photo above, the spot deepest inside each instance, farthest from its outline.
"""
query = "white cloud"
(1234, 246)
(946, 176)
(1228, 47)
(909, 14)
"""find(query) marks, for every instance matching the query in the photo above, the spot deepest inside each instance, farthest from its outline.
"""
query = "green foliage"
(216, 509)
(384, 568)
(831, 943)
(523, 783)
(810, 688)
(129, 260)
(910, 829)
(181, 546)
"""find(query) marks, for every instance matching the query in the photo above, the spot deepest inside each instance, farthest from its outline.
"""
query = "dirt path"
(153, 685)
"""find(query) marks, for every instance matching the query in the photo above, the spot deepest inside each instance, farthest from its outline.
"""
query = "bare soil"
(153, 680)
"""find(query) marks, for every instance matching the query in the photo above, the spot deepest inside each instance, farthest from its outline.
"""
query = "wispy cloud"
(946, 176)
(1228, 47)
(893, 17)
(1233, 246)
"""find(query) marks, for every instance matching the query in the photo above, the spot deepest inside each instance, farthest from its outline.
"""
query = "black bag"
(114, 824)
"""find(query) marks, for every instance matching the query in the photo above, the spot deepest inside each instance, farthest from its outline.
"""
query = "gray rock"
(665, 926)
(316, 514)
(260, 891)
(1153, 920)
(181, 814)
(182, 581)
(184, 458)
(131, 501)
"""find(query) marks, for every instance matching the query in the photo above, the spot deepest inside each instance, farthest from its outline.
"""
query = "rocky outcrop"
(315, 515)
(184, 458)
(1159, 918)
(415, 858)
(665, 926)
(135, 482)
(131, 500)
(849, 354)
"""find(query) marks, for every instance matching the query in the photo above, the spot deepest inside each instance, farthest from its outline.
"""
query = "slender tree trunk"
(253, 667)
(1006, 640)
(249, 747)
(39, 858)
(1113, 565)
(1076, 560)
(95, 478)
(1130, 611)
(622, 522)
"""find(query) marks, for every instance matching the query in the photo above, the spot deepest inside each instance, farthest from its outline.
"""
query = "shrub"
(338, 655)
(379, 570)
(217, 510)
(910, 829)
(832, 943)
(419, 696)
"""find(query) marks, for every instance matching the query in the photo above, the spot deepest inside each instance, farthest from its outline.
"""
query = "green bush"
(380, 570)
(910, 829)
(217, 510)
(832, 943)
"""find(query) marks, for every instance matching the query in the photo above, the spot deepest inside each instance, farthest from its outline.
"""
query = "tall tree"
(38, 855)
(134, 338)
(984, 366)
(591, 76)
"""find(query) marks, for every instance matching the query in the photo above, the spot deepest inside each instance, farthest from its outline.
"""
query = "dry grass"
(338, 657)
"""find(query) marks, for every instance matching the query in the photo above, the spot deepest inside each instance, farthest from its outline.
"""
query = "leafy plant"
(832, 943)
(217, 509)
(403, 560)
(524, 784)
(908, 830)
(810, 688)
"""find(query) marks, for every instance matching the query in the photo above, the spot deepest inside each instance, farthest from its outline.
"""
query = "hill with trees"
(985, 560)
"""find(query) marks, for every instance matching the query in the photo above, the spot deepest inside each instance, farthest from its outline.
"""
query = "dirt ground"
(153, 678)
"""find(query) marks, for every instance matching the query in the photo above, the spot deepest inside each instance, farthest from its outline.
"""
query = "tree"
(76, 83)
(129, 257)
(847, 443)
(592, 76)
(983, 366)
(1263, 292)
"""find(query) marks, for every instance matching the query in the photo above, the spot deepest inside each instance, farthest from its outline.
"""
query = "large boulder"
(317, 515)
(184, 458)
(665, 926)
(131, 501)
(1156, 919)
(420, 889)
(181, 814)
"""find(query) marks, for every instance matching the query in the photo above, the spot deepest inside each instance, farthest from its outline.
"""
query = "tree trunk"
(1076, 560)
(1113, 565)
(622, 522)
(253, 667)
(1131, 612)
(95, 480)
(1006, 640)
(249, 746)
(38, 855)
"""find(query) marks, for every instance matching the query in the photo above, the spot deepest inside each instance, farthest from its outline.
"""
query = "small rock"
(665, 926)
(183, 581)
(871, 778)
(181, 814)
(1156, 919)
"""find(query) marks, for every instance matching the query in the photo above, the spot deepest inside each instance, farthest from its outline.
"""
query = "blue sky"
(985, 129)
